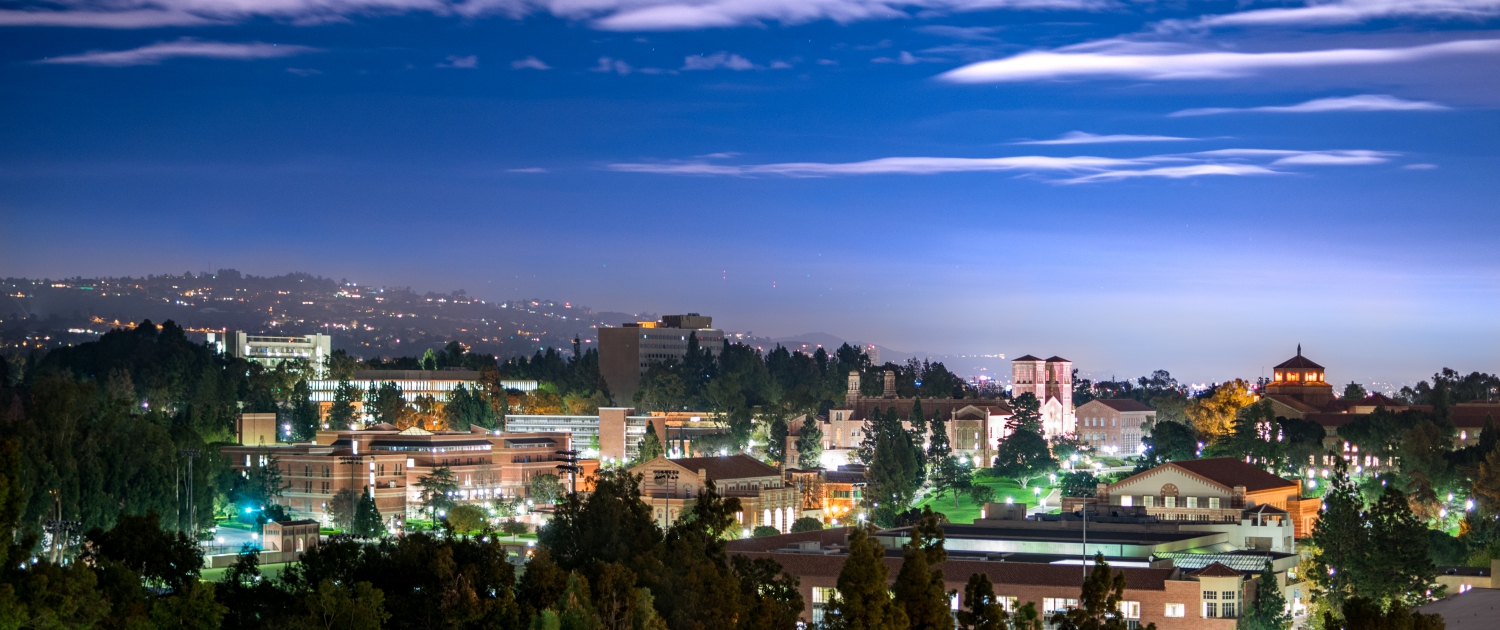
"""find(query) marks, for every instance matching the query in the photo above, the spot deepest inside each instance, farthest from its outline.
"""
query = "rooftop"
(1231, 472)
(738, 466)
(1124, 404)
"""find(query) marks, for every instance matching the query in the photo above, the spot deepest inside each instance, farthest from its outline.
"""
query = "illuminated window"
(1176, 610)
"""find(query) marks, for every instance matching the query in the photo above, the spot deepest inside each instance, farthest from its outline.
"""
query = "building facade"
(269, 350)
(1114, 426)
(627, 351)
(1051, 381)
(670, 486)
(974, 425)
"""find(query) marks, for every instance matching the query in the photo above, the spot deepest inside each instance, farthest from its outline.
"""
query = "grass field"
(967, 511)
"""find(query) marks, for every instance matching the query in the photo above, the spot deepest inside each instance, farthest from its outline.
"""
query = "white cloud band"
(186, 47)
(1360, 103)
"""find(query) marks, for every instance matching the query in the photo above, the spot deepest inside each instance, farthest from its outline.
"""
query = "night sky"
(1196, 186)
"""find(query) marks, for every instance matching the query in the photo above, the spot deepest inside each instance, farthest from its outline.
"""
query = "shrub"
(764, 530)
(807, 524)
(466, 518)
(514, 528)
(982, 494)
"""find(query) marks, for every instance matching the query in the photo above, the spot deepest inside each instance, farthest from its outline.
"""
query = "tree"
(1269, 611)
(895, 468)
(953, 478)
(864, 602)
(761, 531)
(367, 521)
(771, 600)
(1355, 391)
(1023, 455)
(341, 509)
(809, 443)
(1213, 415)
(361, 607)
(1340, 538)
(437, 490)
(938, 446)
(1169, 442)
(342, 413)
(304, 413)
(981, 494)
(650, 445)
(1363, 613)
(162, 559)
(1079, 483)
(919, 584)
(575, 609)
(468, 408)
(466, 518)
(192, 608)
(776, 434)
(1399, 565)
(807, 524)
(983, 610)
(1098, 603)
(384, 403)
(545, 489)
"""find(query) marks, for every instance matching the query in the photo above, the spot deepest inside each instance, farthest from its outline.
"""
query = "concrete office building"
(625, 352)
(269, 350)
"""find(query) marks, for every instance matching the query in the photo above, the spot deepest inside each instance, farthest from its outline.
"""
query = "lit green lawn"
(967, 511)
(268, 571)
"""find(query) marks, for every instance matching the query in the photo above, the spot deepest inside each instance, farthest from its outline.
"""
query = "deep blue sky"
(846, 166)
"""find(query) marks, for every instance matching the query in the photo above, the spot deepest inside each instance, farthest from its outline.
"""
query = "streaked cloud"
(1063, 170)
(468, 62)
(1419, 167)
(1360, 103)
(966, 33)
(1116, 59)
(1082, 137)
(530, 62)
(721, 59)
(532, 169)
(186, 47)
(613, 15)
(1323, 13)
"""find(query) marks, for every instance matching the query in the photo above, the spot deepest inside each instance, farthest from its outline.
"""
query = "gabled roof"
(1026, 358)
(1299, 362)
(1265, 508)
(1215, 570)
(738, 466)
(414, 430)
(1293, 402)
(1231, 472)
(1123, 404)
(1058, 359)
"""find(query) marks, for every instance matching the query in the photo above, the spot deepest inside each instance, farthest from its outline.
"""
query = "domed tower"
(1302, 379)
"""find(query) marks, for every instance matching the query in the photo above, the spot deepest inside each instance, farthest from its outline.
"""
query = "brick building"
(1114, 426)
(974, 425)
(387, 463)
(671, 485)
(1051, 381)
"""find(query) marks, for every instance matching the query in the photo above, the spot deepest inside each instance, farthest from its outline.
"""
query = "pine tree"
(650, 445)
(776, 439)
(367, 521)
(809, 444)
(938, 446)
(304, 413)
(864, 602)
(1341, 539)
(918, 420)
(1269, 610)
(919, 585)
(575, 609)
(983, 610)
(1399, 565)
(341, 414)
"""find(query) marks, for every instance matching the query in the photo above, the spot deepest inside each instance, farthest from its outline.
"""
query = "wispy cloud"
(1133, 60)
(721, 59)
(186, 47)
(1361, 103)
(1066, 170)
(966, 33)
(613, 15)
(1082, 137)
(1329, 12)
(607, 64)
(530, 62)
(906, 59)
(467, 62)
(1419, 167)
(124, 19)
(532, 169)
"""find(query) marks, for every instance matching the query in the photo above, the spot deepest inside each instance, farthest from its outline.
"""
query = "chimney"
(852, 396)
(890, 385)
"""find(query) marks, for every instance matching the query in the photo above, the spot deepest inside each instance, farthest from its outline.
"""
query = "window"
(1228, 595)
(1126, 501)
(1130, 610)
(1176, 610)
(1192, 502)
(1169, 501)
(1227, 610)
(1213, 503)
(1008, 603)
(1148, 500)
(1055, 604)
(1210, 594)
(822, 597)
(1210, 609)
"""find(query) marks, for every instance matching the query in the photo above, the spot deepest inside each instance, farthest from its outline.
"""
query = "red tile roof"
(1124, 404)
(825, 537)
(1215, 570)
(1294, 403)
(1231, 472)
(1299, 362)
(1057, 359)
(958, 571)
(1026, 358)
(739, 466)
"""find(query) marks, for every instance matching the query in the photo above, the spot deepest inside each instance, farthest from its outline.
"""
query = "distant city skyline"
(1135, 186)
